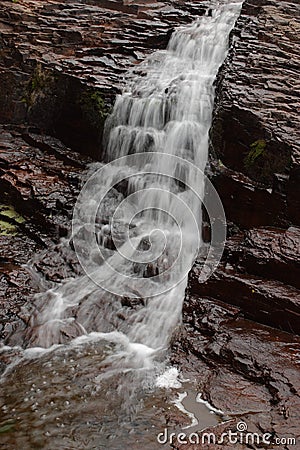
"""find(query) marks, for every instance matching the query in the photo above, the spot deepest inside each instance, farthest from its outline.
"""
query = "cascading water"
(137, 222)
(164, 115)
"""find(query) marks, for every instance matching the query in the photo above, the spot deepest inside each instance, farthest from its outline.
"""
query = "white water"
(166, 109)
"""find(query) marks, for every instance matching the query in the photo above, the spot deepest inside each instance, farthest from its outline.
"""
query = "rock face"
(256, 122)
(41, 178)
(259, 274)
(254, 136)
(61, 63)
(235, 319)
(254, 166)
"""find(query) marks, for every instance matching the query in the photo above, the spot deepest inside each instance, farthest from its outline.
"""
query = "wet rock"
(42, 185)
(16, 285)
(41, 178)
(252, 107)
(244, 200)
(264, 301)
(131, 302)
(268, 252)
(256, 120)
(61, 65)
(254, 135)
(259, 273)
(247, 370)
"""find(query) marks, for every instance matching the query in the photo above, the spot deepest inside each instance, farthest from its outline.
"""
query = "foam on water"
(169, 379)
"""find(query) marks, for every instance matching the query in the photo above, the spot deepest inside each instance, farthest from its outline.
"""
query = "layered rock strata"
(62, 63)
(235, 319)
(254, 166)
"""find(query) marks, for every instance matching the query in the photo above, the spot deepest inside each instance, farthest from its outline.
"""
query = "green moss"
(98, 103)
(40, 81)
(11, 213)
(7, 229)
(9, 221)
(257, 149)
(93, 108)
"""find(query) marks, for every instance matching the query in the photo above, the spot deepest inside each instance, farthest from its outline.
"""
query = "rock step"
(42, 181)
(270, 253)
(245, 200)
(265, 301)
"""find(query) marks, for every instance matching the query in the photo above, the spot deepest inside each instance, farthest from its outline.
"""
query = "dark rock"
(42, 179)
(61, 65)
(262, 300)
(245, 201)
(259, 274)
(256, 115)
(43, 186)
(247, 370)
(267, 252)
(16, 289)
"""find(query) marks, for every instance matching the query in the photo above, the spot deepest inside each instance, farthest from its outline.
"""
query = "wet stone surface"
(62, 63)
(42, 180)
(247, 370)
(256, 123)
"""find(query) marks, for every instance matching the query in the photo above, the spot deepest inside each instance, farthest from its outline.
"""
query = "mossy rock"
(40, 84)
(264, 159)
(7, 426)
(9, 221)
(93, 108)
(257, 149)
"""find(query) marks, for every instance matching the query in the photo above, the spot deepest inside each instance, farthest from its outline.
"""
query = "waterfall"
(137, 221)
(95, 363)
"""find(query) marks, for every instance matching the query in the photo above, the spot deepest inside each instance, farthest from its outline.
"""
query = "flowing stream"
(137, 232)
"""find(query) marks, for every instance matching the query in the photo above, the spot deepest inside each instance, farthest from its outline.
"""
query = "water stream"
(97, 343)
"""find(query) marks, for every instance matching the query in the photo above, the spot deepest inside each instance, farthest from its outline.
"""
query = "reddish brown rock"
(256, 121)
(267, 252)
(244, 200)
(259, 274)
(247, 370)
(261, 300)
(62, 63)
(42, 185)
(41, 178)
